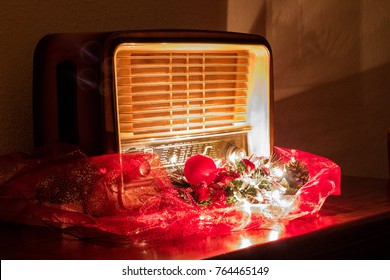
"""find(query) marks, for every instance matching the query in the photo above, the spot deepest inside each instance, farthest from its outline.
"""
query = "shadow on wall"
(344, 120)
(331, 69)
(260, 23)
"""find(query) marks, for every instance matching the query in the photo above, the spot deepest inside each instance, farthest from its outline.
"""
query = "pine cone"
(297, 175)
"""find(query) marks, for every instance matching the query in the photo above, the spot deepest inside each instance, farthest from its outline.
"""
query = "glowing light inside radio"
(252, 114)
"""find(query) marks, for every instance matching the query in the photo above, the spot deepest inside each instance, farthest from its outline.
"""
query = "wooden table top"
(355, 225)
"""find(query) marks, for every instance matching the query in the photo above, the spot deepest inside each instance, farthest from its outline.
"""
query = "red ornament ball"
(200, 169)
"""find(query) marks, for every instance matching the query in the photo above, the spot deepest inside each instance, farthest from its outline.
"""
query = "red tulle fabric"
(130, 197)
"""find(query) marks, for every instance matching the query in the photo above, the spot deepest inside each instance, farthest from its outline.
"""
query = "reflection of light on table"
(249, 238)
(245, 242)
(273, 235)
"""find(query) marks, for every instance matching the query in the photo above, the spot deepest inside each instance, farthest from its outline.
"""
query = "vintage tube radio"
(176, 92)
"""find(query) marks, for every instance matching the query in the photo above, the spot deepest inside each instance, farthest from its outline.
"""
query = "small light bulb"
(244, 243)
(273, 235)
(293, 159)
(173, 159)
(259, 197)
(275, 195)
(277, 172)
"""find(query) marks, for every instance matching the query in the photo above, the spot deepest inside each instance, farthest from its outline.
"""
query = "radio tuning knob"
(234, 153)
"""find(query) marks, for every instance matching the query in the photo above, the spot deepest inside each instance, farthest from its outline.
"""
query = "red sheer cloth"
(130, 197)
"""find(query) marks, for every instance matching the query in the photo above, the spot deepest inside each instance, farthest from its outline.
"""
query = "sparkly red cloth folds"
(130, 197)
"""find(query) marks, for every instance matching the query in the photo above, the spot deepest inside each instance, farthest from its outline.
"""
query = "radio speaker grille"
(168, 93)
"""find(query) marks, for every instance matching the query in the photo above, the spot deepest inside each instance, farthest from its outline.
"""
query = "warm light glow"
(235, 154)
(276, 195)
(259, 197)
(246, 208)
(233, 157)
(277, 172)
(150, 75)
(245, 242)
(273, 235)
(292, 159)
(173, 159)
(284, 202)
(275, 232)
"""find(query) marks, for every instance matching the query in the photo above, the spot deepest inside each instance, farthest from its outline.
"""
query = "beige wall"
(331, 64)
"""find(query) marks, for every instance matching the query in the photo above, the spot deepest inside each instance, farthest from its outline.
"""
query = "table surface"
(354, 225)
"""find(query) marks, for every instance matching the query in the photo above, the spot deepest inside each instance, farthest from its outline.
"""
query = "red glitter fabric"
(129, 197)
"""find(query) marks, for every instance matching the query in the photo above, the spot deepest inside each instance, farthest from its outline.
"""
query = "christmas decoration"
(133, 198)
(252, 179)
(296, 176)
(200, 169)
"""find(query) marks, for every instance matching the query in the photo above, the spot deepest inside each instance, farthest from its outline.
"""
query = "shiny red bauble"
(200, 169)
